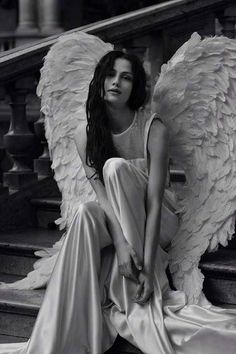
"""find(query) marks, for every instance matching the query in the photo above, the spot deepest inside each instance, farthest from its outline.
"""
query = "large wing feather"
(63, 88)
(65, 76)
(196, 97)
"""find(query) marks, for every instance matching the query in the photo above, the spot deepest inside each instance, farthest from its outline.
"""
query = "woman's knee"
(113, 167)
(92, 217)
(89, 208)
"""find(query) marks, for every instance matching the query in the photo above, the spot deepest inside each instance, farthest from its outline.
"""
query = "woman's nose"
(116, 80)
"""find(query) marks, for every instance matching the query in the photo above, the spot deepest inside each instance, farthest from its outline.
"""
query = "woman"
(71, 319)
(110, 275)
(110, 128)
(115, 130)
(125, 158)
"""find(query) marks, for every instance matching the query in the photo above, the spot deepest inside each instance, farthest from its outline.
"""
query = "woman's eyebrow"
(127, 72)
(122, 72)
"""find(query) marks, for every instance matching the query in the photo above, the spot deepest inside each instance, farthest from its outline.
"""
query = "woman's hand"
(129, 264)
(144, 289)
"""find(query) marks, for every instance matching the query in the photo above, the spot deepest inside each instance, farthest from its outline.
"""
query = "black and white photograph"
(117, 177)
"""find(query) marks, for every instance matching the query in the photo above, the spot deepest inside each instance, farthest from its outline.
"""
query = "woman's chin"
(115, 103)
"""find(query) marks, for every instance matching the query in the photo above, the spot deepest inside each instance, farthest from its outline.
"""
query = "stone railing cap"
(28, 58)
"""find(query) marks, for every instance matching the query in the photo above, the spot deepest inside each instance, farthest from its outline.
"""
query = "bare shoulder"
(158, 135)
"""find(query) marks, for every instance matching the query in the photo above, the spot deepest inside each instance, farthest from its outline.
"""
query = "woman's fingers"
(127, 271)
(145, 289)
(136, 260)
(139, 291)
(130, 267)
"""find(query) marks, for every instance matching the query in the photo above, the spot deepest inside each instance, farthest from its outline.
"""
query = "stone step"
(9, 278)
(18, 311)
(11, 339)
(17, 249)
(177, 175)
(47, 211)
(219, 269)
(52, 204)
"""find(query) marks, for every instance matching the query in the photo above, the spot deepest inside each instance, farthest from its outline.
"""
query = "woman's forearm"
(158, 156)
(152, 235)
(112, 222)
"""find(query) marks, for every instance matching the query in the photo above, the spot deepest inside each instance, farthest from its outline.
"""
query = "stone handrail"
(117, 29)
(153, 33)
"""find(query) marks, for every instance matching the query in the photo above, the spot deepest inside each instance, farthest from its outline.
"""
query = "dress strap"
(146, 131)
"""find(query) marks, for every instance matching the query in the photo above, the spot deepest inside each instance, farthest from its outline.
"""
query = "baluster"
(42, 165)
(48, 12)
(19, 141)
(3, 190)
(228, 21)
(27, 26)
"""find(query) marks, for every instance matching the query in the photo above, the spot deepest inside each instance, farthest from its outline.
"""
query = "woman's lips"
(115, 91)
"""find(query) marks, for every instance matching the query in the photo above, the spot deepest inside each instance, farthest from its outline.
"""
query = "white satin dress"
(87, 302)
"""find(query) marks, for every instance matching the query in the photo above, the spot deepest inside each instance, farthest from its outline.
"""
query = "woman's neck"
(120, 118)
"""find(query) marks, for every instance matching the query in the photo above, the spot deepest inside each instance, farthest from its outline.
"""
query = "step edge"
(46, 204)
(15, 307)
(19, 249)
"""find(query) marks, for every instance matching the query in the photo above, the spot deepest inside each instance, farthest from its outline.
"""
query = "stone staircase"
(18, 309)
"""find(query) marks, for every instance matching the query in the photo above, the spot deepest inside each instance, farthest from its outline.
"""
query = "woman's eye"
(128, 78)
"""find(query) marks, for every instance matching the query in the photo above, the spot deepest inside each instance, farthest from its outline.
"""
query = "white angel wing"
(65, 76)
(195, 95)
(63, 88)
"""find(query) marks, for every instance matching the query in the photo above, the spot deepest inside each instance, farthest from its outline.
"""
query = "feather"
(196, 98)
(67, 71)
(63, 88)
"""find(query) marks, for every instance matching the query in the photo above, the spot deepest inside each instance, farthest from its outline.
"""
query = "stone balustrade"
(19, 140)
(153, 33)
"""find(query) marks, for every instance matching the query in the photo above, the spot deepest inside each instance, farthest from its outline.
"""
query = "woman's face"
(118, 83)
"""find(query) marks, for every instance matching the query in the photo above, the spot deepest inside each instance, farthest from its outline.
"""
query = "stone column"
(228, 22)
(3, 190)
(42, 165)
(19, 140)
(27, 17)
(27, 30)
(49, 21)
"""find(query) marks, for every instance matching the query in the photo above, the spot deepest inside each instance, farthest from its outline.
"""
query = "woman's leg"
(143, 326)
(166, 324)
(126, 190)
(70, 320)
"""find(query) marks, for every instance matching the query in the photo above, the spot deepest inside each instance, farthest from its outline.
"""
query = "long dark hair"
(100, 146)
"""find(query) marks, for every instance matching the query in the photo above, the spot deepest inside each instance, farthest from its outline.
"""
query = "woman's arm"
(125, 252)
(158, 165)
